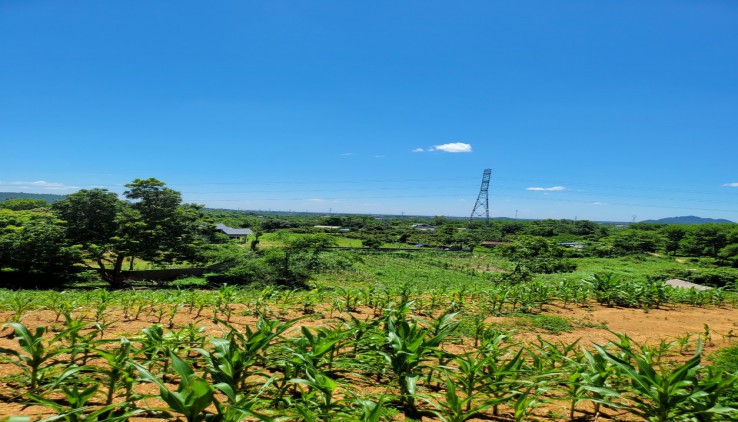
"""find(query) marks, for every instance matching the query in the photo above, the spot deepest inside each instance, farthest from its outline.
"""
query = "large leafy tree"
(152, 225)
(673, 235)
(706, 239)
(635, 241)
(34, 247)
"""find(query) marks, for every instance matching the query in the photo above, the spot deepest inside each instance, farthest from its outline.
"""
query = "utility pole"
(481, 207)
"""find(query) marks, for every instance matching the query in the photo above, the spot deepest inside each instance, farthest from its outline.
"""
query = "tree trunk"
(114, 277)
(117, 276)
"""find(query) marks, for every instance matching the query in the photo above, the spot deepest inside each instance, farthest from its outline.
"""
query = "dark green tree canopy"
(20, 204)
(91, 216)
(154, 226)
(34, 245)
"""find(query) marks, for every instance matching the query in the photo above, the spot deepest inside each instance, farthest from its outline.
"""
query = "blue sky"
(599, 110)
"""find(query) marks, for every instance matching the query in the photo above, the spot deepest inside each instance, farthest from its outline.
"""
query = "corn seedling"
(667, 394)
(36, 355)
(193, 396)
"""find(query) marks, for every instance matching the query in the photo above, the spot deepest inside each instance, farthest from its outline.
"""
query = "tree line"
(94, 229)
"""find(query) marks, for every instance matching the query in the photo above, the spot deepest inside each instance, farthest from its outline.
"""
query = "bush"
(717, 277)
(550, 266)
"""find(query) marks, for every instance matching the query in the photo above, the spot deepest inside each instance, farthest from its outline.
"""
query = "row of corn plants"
(408, 356)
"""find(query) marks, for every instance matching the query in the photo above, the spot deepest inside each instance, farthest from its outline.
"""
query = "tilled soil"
(593, 324)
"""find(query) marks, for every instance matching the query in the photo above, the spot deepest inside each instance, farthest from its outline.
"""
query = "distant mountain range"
(688, 219)
(48, 197)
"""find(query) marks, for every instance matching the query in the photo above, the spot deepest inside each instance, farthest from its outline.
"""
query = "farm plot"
(420, 351)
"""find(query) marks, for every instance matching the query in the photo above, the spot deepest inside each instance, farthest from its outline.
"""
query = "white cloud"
(551, 189)
(379, 156)
(731, 185)
(347, 154)
(453, 147)
(600, 203)
(418, 150)
(39, 184)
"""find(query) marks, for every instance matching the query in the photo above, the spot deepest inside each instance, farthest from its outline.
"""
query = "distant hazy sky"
(601, 110)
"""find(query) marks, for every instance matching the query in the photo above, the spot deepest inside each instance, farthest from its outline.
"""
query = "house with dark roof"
(234, 233)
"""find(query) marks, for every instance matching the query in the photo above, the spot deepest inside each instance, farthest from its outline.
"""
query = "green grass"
(424, 270)
(549, 323)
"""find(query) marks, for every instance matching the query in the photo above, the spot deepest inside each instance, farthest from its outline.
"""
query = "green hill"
(688, 220)
(48, 197)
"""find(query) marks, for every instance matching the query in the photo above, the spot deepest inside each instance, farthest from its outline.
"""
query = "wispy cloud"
(379, 156)
(551, 189)
(731, 185)
(600, 203)
(453, 147)
(347, 154)
(39, 185)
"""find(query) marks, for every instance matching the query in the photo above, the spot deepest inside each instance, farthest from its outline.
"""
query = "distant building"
(423, 227)
(333, 228)
(234, 233)
(491, 244)
(572, 245)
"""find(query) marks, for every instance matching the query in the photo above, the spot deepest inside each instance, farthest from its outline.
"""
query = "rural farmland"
(385, 211)
(295, 319)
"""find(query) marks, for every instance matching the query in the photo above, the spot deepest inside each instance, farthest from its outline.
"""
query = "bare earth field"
(593, 324)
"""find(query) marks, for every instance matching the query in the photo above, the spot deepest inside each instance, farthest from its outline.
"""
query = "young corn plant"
(119, 371)
(502, 360)
(358, 332)
(36, 356)
(593, 383)
(371, 411)
(320, 394)
(20, 303)
(80, 338)
(527, 399)
(455, 408)
(663, 394)
(155, 348)
(408, 344)
(193, 396)
(238, 406)
(233, 357)
(317, 349)
(445, 323)
(77, 405)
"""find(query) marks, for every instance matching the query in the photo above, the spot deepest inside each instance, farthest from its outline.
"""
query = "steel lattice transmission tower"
(481, 207)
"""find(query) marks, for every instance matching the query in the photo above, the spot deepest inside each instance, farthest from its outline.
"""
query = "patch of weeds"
(588, 323)
(555, 416)
(189, 282)
(550, 323)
